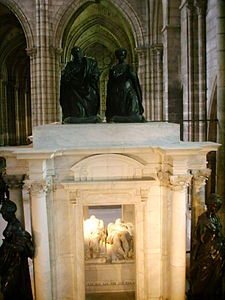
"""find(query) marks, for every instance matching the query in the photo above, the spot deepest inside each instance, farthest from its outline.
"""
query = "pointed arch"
(24, 22)
(65, 16)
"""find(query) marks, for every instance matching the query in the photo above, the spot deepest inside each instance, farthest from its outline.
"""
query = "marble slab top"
(67, 136)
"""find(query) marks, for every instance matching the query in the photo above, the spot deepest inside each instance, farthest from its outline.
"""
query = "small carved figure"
(14, 252)
(94, 237)
(124, 96)
(79, 92)
(208, 254)
(120, 237)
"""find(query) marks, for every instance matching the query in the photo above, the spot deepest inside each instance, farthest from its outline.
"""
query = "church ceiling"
(98, 29)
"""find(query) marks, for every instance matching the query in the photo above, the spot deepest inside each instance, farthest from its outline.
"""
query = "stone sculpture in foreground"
(208, 252)
(17, 246)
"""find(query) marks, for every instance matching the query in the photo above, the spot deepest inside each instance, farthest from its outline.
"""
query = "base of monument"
(84, 120)
(110, 278)
(127, 119)
(111, 296)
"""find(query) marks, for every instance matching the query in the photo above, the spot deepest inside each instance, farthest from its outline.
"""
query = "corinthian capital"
(157, 49)
(179, 182)
(164, 178)
(201, 6)
(38, 187)
(31, 51)
(14, 181)
(200, 177)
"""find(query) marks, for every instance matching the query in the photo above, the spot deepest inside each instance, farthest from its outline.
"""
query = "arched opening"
(15, 105)
(98, 28)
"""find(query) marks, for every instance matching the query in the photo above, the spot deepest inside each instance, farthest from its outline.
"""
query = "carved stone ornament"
(14, 181)
(201, 6)
(200, 177)
(179, 182)
(36, 187)
(164, 177)
(32, 52)
(110, 283)
(144, 194)
(157, 49)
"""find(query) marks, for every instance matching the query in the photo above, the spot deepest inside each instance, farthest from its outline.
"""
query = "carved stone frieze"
(110, 283)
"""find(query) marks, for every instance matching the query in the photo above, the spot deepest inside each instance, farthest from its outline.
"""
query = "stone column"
(15, 184)
(220, 5)
(158, 104)
(39, 217)
(79, 270)
(187, 71)
(171, 39)
(201, 9)
(153, 85)
(44, 70)
(3, 113)
(198, 196)
(142, 74)
(140, 252)
(178, 186)
(34, 85)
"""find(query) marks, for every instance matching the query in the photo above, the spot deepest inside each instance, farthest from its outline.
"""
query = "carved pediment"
(107, 167)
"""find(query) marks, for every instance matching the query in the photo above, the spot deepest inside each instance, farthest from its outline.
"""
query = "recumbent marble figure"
(120, 238)
(115, 243)
(17, 246)
(208, 266)
(94, 237)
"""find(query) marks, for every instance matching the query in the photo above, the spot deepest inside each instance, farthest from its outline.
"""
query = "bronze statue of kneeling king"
(17, 246)
(208, 255)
